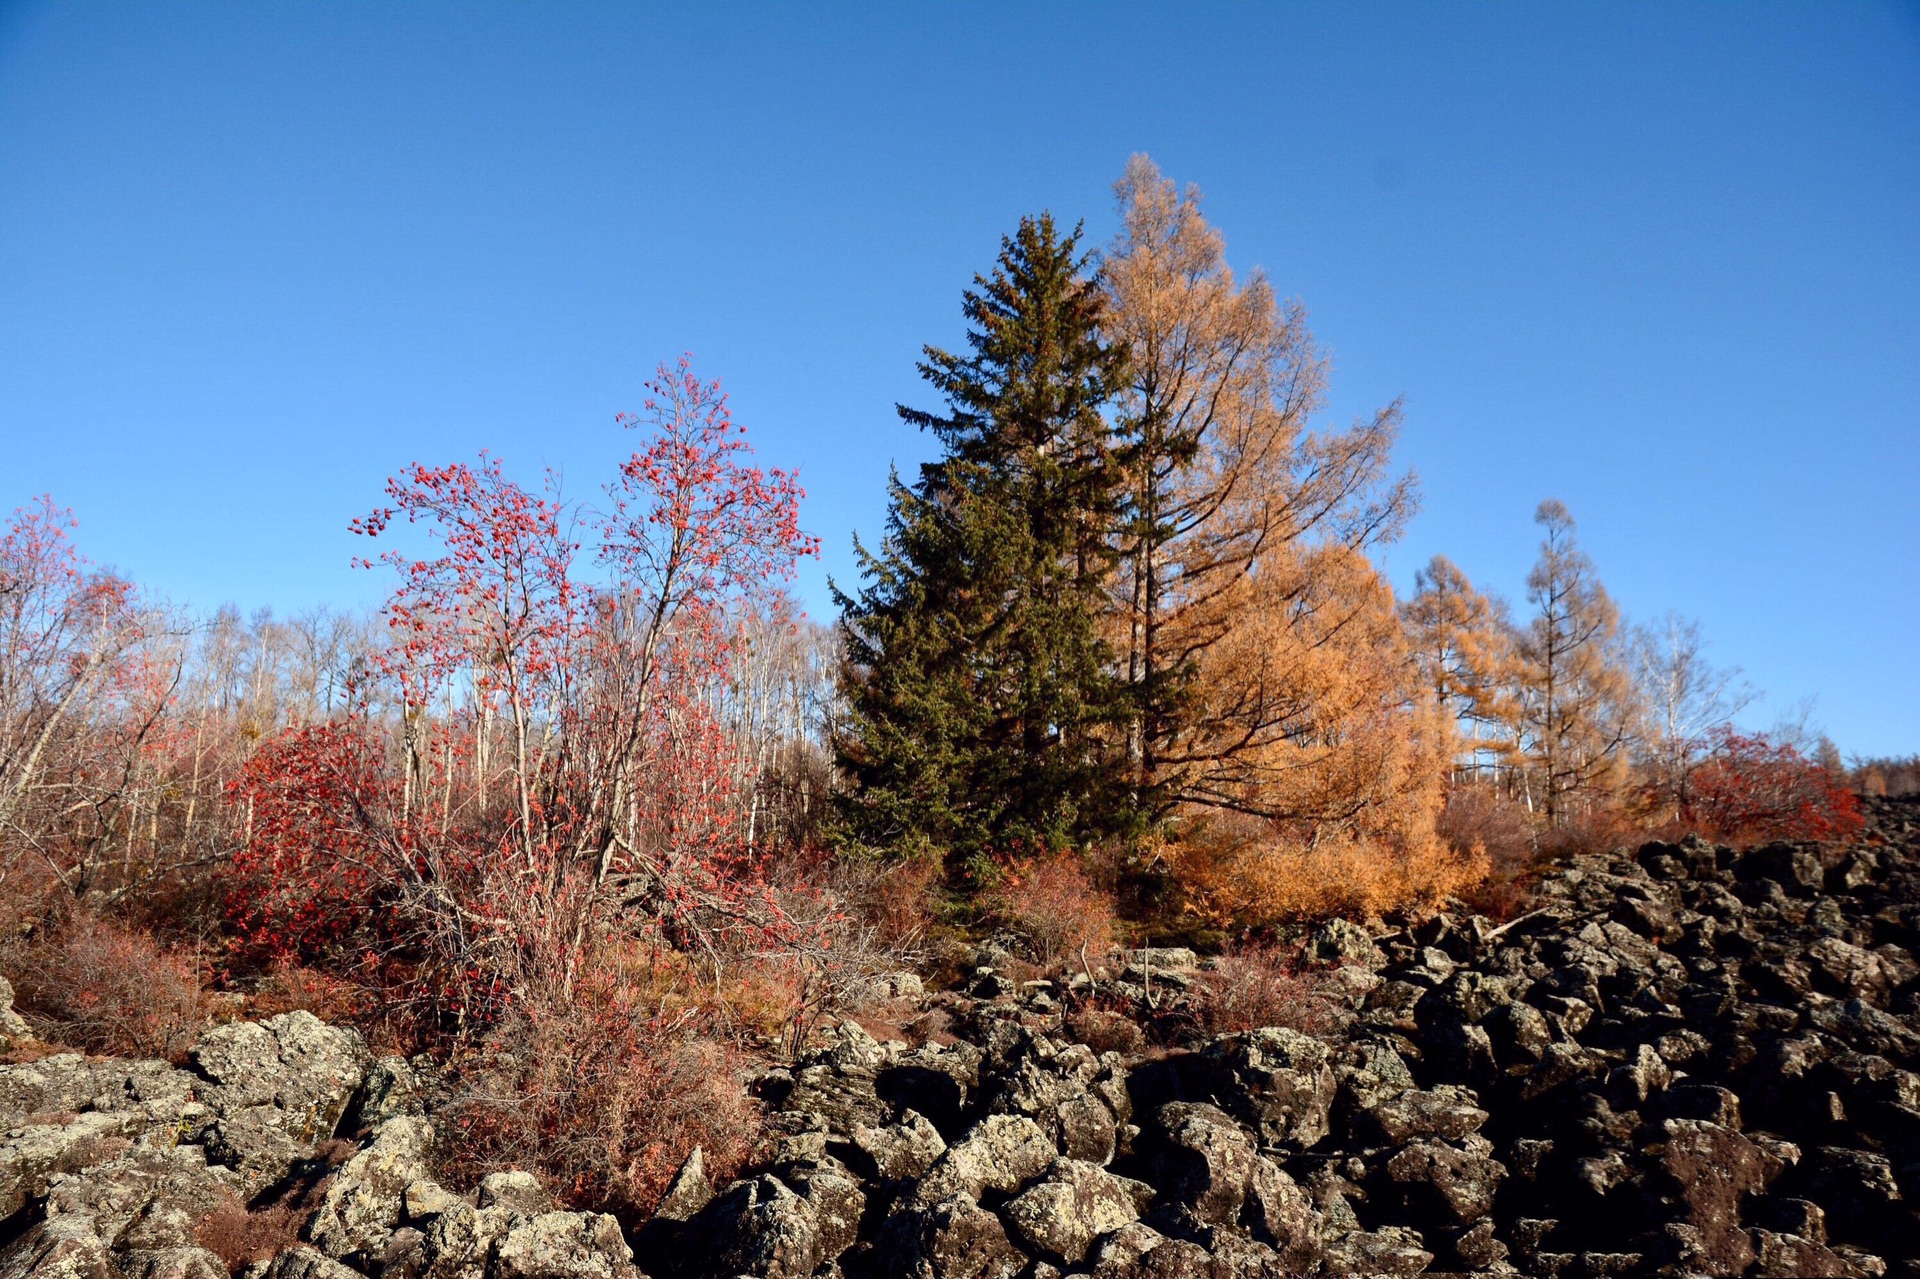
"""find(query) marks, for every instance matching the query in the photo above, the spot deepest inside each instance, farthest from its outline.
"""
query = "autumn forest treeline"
(591, 800)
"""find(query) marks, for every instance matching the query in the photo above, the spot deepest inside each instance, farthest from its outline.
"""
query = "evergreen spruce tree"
(985, 711)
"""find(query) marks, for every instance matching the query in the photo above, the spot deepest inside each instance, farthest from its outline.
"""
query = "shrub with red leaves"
(318, 844)
(1751, 790)
(1055, 905)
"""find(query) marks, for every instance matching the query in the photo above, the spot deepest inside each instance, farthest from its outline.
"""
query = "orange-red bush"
(93, 984)
(1751, 790)
(1056, 906)
(602, 1091)
(1256, 987)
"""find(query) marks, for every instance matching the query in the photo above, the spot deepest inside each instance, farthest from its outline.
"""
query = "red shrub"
(1257, 987)
(603, 1090)
(1054, 903)
(314, 802)
(92, 984)
(1751, 790)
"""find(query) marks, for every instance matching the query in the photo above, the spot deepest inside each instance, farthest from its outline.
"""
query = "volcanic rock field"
(1685, 1061)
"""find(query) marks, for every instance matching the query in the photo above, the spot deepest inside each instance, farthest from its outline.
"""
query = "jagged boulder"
(367, 1197)
(277, 1087)
(14, 1031)
(1000, 1153)
(898, 1152)
(757, 1226)
(565, 1245)
(953, 1238)
(1279, 1081)
(1072, 1205)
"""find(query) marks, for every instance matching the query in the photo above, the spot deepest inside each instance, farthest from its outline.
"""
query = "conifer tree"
(1463, 646)
(983, 703)
(1234, 506)
(1578, 710)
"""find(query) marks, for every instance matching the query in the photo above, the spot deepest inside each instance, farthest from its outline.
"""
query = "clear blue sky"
(1662, 262)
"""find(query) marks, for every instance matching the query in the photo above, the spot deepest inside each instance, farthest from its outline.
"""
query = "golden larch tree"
(1578, 709)
(1277, 722)
(1462, 646)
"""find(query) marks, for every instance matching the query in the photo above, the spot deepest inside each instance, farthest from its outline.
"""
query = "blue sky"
(1662, 262)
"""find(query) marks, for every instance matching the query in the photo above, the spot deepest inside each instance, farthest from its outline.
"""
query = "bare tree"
(1686, 699)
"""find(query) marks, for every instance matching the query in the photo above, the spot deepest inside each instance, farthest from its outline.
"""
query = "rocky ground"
(1687, 1062)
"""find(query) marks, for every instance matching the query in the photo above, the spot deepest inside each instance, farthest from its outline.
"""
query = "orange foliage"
(1329, 799)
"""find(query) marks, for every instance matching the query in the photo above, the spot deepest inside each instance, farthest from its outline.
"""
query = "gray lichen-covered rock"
(460, 1240)
(1445, 1183)
(901, 1151)
(57, 1250)
(688, 1192)
(760, 1227)
(954, 1238)
(1071, 1206)
(301, 1263)
(14, 1031)
(1448, 1111)
(565, 1245)
(1279, 1081)
(1204, 1162)
(147, 1197)
(135, 1213)
(32, 1155)
(368, 1195)
(1000, 1153)
(392, 1088)
(1341, 941)
(278, 1087)
(515, 1191)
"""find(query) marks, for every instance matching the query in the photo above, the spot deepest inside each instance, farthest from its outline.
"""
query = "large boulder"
(1075, 1203)
(278, 1087)
(565, 1245)
(136, 1213)
(1203, 1161)
(954, 1238)
(1445, 1184)
(1277, 1080)
(66, 1112)
(367, 1197)
(898, 1152)
(1710, 1170)
(759, 1226)
(1000, 1153)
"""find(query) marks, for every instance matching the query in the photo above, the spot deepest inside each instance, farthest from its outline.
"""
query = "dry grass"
(96, 985)
(241, 1236)
(1105, 1031)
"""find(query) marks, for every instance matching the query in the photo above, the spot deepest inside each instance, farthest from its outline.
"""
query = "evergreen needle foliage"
(983, 699)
